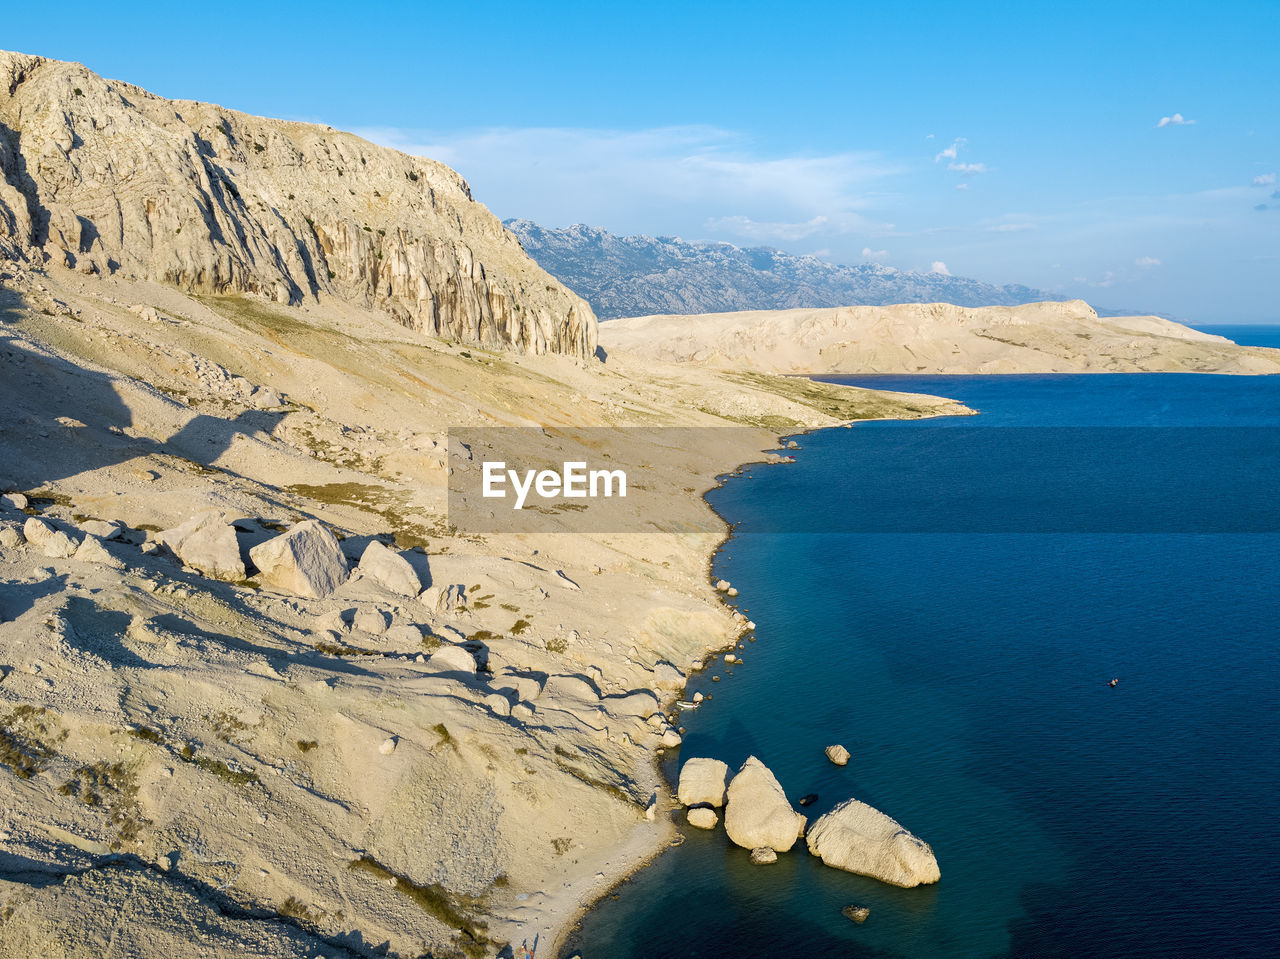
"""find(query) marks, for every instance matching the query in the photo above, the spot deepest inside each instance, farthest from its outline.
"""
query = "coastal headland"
(256, 688)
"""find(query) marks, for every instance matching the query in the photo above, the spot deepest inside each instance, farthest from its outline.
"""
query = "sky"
(1124, 152)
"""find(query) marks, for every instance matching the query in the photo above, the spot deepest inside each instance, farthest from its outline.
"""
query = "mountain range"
(645, 275)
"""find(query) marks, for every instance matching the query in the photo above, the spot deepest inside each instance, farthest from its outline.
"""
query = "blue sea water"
(967, 674)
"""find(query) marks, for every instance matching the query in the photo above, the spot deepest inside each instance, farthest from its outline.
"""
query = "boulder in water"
(859, 839)
(757, 811)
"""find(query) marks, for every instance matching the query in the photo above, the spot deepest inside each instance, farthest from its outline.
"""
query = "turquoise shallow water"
(966, 672)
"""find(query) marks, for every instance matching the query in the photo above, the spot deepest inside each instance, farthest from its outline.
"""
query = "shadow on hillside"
(38, 390)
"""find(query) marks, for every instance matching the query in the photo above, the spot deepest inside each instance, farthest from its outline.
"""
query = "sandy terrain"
(934, 338)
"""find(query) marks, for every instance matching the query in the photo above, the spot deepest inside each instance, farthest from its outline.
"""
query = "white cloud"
(962, 186)
(1177, 120)
(747, 228)
(1146, 261)
(664, 180)
(874, 255)
(929, 137)
(939, 267)
(1264, 179)
(951, 152)
(968, 169)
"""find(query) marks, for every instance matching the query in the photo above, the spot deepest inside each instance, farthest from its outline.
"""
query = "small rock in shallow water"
(838, 755)
(809, 800)
(856, 913)
(702, 817)
(763, 855)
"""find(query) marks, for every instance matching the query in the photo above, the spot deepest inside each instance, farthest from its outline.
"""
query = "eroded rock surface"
(104, 177)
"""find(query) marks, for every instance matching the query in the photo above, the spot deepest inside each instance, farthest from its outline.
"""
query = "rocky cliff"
(642, 275)
(106, 178)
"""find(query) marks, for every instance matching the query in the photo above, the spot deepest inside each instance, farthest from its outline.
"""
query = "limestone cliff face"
(103, 177)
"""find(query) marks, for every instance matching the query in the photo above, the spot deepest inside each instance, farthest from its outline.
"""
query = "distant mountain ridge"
(643, 275)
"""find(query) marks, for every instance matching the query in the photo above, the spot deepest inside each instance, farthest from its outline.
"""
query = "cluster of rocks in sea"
(851, 836)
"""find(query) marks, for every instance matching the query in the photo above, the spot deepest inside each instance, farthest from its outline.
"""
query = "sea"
(966, 665)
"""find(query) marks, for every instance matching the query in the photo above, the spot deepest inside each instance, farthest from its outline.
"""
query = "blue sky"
(1124, 152)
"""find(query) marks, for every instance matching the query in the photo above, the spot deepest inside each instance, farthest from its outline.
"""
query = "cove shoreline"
(566, 915)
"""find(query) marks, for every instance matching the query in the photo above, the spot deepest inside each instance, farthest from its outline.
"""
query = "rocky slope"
(438, 743)
(105, 178)
(641, 275)
(934, 338)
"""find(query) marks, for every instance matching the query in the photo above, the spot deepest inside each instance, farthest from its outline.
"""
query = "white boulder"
(702, 817)
(11, 537)
(92, 551)
(757, 812)
(857, 838)
(13, 501)
(453, 659)
(102, 529)
(389, 570)
(370, 619)
(207, 542)
(763, 856)
(52, 542)
(305, 560)
(702, 782)
(640, 703)
(499, 704)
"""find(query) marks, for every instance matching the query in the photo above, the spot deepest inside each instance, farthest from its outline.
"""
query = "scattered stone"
(697, 697)
(671, 739)
(52, 542)
(389, 570)
(451, 599)
(838, 755)
(306, 560)
(763, 856)
(702, 782)
(702, 817)
(370, 619)
(808, 800)
(92, 551)
(14, 501)
(757, 812)
(731, 592)
(333, 621)
(730, 658)
(722, 585)
(405, 634)
(452, 659)
(640, 703)
(265, 398)
(858, 914)
(388, 746)
(499, 704)
(207, 542)
(11, 537)
(859, 839)
(522, 712)
(102, 529)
